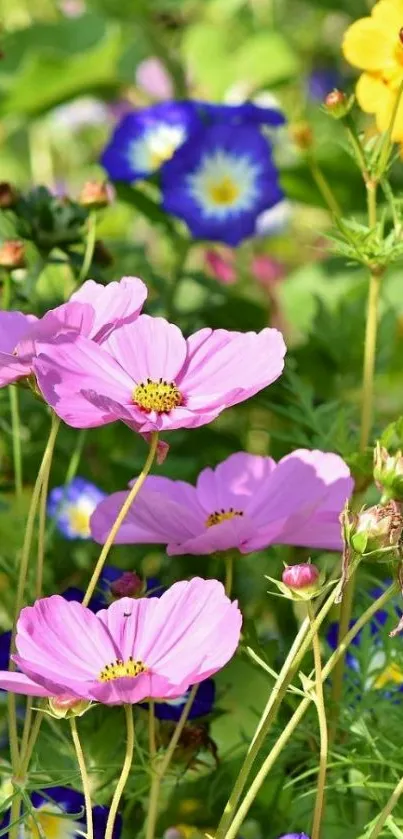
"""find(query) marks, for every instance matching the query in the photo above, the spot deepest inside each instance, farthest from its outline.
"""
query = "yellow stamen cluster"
(120, 669)
(222, 515)
(225, 191)
(159, 396)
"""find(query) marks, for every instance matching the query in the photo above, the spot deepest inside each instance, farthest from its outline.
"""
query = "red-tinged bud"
(302, 135)
(337, 104)
(128, 585)
(65, 706)
(375, 532)
(95, 195)
(300, 576)
(8, 195)
(12, 254)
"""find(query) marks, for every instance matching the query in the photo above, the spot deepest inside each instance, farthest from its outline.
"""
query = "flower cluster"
(215, 163)
(374, 44)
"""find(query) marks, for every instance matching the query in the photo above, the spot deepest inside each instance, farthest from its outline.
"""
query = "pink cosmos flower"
(148, 375)
(94, 310)
(248, 502)
(134, 650)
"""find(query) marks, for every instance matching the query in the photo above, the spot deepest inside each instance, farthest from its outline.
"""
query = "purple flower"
(72, 506)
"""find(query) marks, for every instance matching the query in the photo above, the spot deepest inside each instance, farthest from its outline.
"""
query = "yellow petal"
(368, 47)
(384, 117)
(388, 15)
(372, 93)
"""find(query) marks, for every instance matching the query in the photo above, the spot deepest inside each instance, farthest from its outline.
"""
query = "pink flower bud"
(66, 706)
(300, 576)
(128, 585)
(95, 194)
(267, 270)
(221, 266)
(12, 254)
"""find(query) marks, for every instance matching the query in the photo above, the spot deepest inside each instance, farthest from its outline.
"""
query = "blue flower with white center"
(72, 506)
(247, 113)
(171, 709)
(145, 139)
(59, 813)
(220, 181)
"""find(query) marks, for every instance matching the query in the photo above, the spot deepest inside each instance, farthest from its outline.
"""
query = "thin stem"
(89, 246)
(337, 682)
(229, 573)
(22, 576)
(120, 518)
(299, 713)
(27, 754)
(369, 360)
(42, 520)
(6, 295)
(16, 433)
(84, 778)
(287, 673)
(320, 705)
(324, 188)
(356, 144)
(161, 770)
(383, 817)
(151, 731)
(124, 774)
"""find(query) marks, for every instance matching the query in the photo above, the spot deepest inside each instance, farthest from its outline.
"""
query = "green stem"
(42, 520)
(287, 673)
(22, 576)
(124, 774)
(89, 247)
(324, 188)
(384, 815)
(337, 682)
(289, 729)
(160, 771)
(229, 573)
(16, 433)
(120, 518)
(369, 360)
(6, 295)
(320, 705)
(84, 778)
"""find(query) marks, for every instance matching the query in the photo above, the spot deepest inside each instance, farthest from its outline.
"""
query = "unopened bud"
(128, 585)
(377, 531)
(65, 706)
(302, 135)
(388, 473)
(337, 104)
(8, 195)
(12, 254)
(302, 579)
(95, 195)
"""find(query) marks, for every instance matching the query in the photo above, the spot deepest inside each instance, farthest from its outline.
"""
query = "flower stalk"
(320, 706)
(127, 764)
(84, 777)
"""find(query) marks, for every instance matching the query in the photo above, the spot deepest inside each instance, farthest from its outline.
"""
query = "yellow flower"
(375, 44)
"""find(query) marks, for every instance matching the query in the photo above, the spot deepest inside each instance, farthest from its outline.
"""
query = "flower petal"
(149, 348)
(234, 482)
(114, 304)
(19, 683)
(367, 46)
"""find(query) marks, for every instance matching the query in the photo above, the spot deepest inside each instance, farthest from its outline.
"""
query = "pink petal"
(114, 304)
(13, 327)
(153, 519)
(149, 348)
(11, 369)
(66, 370)
(194, 627)
(19, 683)
(69, 317)
(232, 533)
(63, 640)
(231, 366)
(234, 482)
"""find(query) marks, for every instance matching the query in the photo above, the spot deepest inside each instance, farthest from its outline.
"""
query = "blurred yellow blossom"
(375, 45)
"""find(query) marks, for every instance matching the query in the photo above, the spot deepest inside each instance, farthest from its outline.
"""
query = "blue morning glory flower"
(52, 808)
(172, 709)
(247, 113)
(72, 507)
(220, 181)
(321, 81)
(143, 140)
(294, 836)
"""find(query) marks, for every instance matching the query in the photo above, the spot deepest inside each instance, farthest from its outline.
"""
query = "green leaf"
(145, 205)
(266, 58)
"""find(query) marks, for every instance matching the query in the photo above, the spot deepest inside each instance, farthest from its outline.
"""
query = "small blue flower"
(51, 808)
(247, 113)
(322, 81)
(294, 836)
(72, 507)
(145, 139)
(202, 705)
(220, 181)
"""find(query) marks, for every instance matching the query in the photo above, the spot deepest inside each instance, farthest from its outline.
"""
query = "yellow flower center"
(120, 669)
(50, 823)
(392, 673)
(222, 515)
(157, 158)
(159, 396)
(224, 191)
(80, 522)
